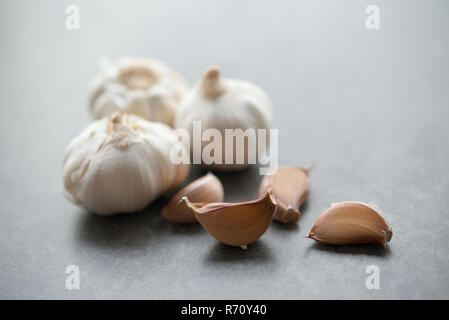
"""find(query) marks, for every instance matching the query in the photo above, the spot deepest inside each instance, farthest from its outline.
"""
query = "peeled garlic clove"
(204, 189)
(144, 87)
(225, 104)
(351, 223)
(120, 164)
(236, 224)
(290, 186)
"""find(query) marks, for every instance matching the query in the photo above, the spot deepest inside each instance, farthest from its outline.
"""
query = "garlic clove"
(236, 224)
(290, 186)
(351, 223)
(205, 189)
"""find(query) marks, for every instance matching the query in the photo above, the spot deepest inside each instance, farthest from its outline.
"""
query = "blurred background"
(370, 107)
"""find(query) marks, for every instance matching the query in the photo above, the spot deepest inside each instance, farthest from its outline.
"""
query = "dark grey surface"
(370, 107)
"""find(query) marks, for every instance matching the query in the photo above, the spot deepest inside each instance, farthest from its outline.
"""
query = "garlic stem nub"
(212, 85)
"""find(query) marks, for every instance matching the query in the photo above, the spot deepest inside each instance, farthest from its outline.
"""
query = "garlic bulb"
(144, 87)
(120, 164)
(224, 104)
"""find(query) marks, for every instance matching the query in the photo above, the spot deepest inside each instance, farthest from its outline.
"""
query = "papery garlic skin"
(120, 164)
(351, 222)
(144, 87)
(225, 104)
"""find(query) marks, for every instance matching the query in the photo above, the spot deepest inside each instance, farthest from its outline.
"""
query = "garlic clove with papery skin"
(221, 104)
(351, 223)
(144, 87)
(291, 187)
(235, 224)
(205, 189)
(120, 164)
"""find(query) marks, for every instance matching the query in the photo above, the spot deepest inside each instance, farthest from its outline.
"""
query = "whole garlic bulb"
(120, 164)
(144, 87)
(224, 104)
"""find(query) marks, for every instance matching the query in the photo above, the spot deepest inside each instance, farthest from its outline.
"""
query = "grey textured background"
(370, 107)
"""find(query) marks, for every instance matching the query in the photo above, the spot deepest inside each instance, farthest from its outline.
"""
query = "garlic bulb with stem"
(144, 87)
(120, 164)
(224, 104)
